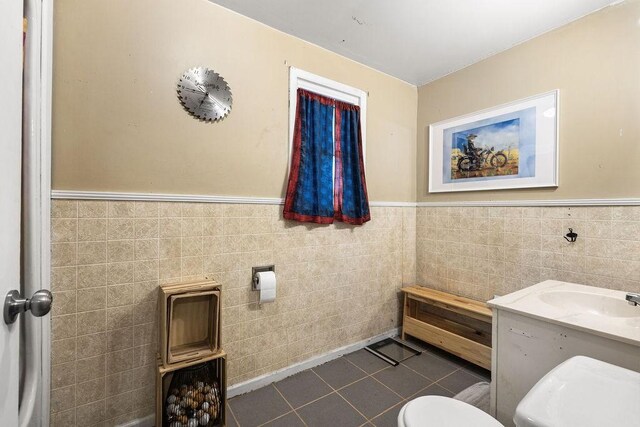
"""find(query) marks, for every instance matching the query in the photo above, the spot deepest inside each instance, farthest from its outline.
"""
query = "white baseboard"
(148, 421)
(263, 380)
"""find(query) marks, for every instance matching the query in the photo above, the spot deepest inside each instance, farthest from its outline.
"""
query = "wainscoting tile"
(111, 257)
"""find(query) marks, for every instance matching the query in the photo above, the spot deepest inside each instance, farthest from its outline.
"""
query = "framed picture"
(514, 145)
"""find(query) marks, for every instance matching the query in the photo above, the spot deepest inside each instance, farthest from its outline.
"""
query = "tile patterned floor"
(357, 389)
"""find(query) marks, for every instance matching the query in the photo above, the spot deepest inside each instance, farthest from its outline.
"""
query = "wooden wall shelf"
(455, 324)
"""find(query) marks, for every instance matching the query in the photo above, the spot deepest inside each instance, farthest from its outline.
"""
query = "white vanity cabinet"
(527, 345)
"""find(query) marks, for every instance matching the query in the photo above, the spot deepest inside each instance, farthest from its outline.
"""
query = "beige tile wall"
(336, 285)
(482, 251)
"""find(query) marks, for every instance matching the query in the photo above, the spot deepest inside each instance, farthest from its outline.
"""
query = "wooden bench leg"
(404, 313)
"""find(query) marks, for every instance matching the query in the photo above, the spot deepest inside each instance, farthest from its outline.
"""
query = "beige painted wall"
(595, 62)
(118, 126)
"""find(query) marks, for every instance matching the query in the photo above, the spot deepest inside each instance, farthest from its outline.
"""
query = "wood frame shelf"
(190, 321)
(189, 318)
(459, 325)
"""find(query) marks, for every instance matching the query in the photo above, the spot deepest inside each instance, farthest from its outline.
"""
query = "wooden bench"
(455, 324)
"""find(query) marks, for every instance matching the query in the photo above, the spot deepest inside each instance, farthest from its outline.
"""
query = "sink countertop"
(528, 302)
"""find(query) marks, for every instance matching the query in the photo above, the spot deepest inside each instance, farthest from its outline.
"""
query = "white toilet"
(443, 412)
(581, 392)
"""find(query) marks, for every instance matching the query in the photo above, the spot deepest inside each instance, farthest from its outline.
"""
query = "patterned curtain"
(351, 204)
(314, 192)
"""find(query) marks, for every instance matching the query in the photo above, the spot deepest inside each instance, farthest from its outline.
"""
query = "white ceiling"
(415, 40)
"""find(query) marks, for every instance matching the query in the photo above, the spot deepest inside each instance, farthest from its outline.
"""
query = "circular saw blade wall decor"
(204, 94)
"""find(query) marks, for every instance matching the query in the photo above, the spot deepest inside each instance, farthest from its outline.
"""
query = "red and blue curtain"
(326, 134)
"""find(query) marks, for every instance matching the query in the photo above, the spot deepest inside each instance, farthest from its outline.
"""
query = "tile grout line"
(300, 418)
(233, 415)
(282, 395)
(363, 378)
(334, 390)
(402, 400)
(322, 379)
(276, 418)
(290, 405)
(413, 396)
(315, 400)
(477, 375)
(436, 382)
(356, 409)
(347, 359)
(422, 375)
(389, 409)
(392, 390)
(413, 370)
(339, 388)
(430, 379)
(447, 376)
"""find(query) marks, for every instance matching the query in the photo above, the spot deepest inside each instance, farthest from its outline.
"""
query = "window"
(322, 86)
(326, 170)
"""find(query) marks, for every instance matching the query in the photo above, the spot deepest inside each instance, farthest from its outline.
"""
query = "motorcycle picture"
(475, 159)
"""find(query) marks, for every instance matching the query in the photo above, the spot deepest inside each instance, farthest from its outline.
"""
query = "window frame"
(323, 86)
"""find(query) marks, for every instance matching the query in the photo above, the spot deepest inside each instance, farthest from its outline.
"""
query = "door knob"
(14, 304)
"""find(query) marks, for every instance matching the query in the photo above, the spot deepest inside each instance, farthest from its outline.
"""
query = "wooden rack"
(189, 316)
(165, 374)
(455, 324)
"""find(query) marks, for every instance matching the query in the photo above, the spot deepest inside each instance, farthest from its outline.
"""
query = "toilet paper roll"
(267, 286)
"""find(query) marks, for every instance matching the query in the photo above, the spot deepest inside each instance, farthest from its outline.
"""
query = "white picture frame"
(514, 145)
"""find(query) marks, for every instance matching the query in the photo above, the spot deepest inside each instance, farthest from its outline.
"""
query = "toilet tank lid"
(582, 392)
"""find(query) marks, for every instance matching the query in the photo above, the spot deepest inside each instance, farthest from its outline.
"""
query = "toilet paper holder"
(254, 274)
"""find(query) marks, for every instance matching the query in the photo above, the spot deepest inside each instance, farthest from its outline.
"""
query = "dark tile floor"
(355, 390)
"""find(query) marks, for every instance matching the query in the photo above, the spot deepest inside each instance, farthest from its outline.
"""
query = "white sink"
(582, 392)
(601, 311)
(586, 302)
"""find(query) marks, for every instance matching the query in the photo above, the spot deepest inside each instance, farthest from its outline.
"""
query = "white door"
(10, 197)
